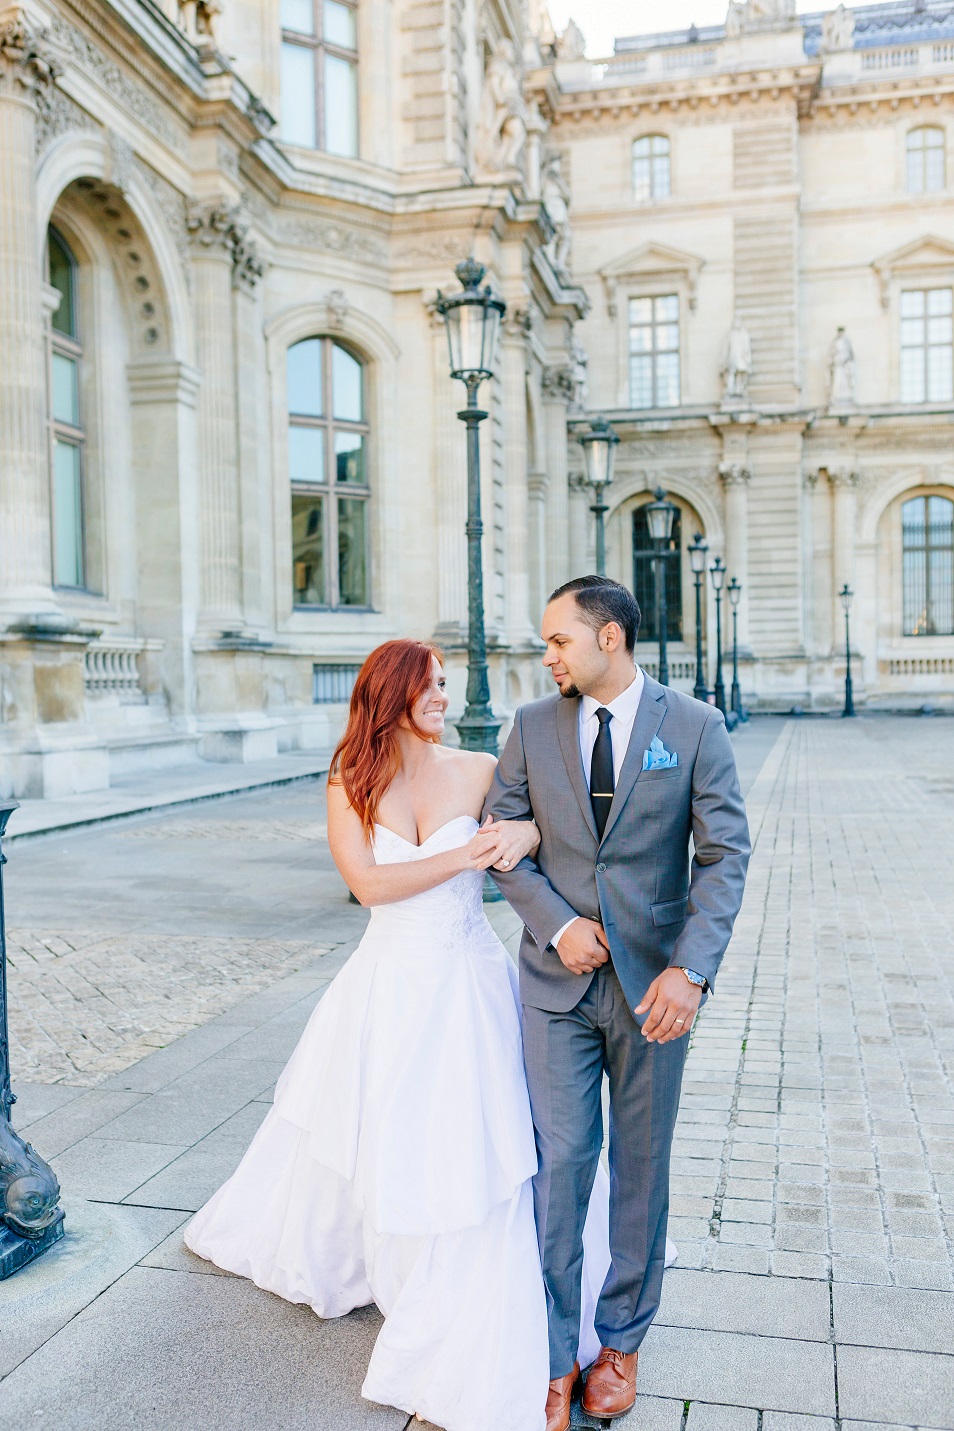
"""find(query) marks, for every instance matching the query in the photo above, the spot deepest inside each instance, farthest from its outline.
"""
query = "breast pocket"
(671, 772)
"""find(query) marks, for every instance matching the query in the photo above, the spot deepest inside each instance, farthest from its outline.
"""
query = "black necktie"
(602, 778)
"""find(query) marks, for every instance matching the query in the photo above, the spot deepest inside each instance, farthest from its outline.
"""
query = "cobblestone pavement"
(123, 937)
(816, 1137)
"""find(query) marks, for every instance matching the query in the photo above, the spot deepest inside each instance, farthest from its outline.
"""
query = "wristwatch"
(698, 979)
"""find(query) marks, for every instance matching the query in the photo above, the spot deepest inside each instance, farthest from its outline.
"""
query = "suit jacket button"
(600, 869)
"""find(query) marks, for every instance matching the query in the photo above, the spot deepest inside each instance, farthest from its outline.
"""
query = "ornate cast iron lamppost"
(846, 595)
(698, 551)
(717, 572)
(735, 596)
(473, 324)
(30, 1220)
(660, 516)
(599, 452)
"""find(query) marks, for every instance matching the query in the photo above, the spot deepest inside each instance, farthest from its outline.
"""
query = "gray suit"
(656, 912)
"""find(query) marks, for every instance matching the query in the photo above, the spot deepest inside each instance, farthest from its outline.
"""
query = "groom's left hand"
(671, 1004)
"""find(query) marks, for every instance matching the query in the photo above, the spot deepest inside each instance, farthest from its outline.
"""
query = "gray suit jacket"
(637, 882)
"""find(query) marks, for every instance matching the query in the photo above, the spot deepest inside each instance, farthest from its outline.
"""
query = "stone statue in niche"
(556, 198)
(841, 369)
(198, 18)
(502, 132)
(737, 367)
(838, 30)
(571, 45)
(579, 375)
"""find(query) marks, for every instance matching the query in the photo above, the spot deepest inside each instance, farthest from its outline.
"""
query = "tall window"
(319, 75)
(926, 161)
(651, 173)
(328, 466)
(644, 579)
(927, 345)
(927, 535)
(69, 565)
(654, 351)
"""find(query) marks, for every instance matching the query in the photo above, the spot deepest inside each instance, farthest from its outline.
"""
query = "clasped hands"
(670, 1003)
(501, 844)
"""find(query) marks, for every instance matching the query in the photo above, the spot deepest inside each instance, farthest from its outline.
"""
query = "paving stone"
(775, 1307)
(651, 1413)
(730, 1369)
(703, 1417)
(894, 1317)
(105, 1170)
(893, 1385)
(78, 1118)
(785, 1421)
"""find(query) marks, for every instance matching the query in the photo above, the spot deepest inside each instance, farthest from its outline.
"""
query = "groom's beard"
(570, 692)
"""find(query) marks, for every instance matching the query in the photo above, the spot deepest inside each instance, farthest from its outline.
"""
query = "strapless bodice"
(457, 903)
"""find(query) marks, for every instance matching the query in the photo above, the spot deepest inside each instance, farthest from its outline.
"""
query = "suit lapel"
(649, 717)
(568, 728)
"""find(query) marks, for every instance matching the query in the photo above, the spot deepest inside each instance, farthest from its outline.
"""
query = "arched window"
(69, 559)
(319, 75)
(926, 160)
(927, 536)
(651, 174)
(328, 467)
(644, 579)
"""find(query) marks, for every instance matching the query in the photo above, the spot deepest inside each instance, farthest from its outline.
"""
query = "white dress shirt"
(623, 710)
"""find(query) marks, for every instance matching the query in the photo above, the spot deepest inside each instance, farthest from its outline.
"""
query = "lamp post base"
(17, 1251)
(479, 732)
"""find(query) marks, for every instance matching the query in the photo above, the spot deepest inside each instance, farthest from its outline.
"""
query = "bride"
(395, 1166)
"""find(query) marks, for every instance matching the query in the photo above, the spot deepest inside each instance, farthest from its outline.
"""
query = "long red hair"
(391, 681)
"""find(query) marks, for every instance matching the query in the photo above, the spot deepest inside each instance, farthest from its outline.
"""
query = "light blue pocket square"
(657, 757)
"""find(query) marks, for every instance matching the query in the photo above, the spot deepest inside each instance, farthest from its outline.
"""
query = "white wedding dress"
(395, 1165)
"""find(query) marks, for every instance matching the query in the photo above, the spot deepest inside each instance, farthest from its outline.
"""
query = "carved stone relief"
(58, 114)
(502, 129)
(131, 95)
(29, 62)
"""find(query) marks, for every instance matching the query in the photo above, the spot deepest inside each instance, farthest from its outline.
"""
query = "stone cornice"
(630, 100)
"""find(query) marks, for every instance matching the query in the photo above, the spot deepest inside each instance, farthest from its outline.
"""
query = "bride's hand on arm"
(504, 843)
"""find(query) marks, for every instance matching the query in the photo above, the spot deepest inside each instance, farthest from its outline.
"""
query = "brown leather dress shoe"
(559, 1397)
(611, 1384)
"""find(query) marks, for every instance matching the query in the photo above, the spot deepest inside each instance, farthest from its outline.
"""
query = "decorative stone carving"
(571, 45)
(580, 375)
(221, 224)
(173, 206)
(198, 19)
(28, 62)
(733, 474)
(841, 369)
(121, 157)
(502, 131)
(556, 198)
(758, 15)
(737, 367)
(58, 114)
(129, 94)
(338, 306)
(336, 238)
(557, 384)
(838, 30)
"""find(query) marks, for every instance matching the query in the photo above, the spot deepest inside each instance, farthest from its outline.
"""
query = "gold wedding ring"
(680, 1021)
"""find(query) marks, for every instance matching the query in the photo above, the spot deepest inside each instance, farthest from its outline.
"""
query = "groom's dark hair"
(601, 600)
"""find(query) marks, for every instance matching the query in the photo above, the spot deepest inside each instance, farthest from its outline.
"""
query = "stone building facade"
(230, 461)
(763, 217)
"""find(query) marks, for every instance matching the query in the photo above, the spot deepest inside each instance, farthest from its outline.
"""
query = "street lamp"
(717, 572)
(735, 596)
(698, 551)
(473, 325)
(30, 1219)
(599, 454)
(660, 516)
(846, 595)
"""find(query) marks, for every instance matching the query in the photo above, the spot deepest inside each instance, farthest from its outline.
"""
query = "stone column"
(557, 388)
(255, 503)
(27, 70)
(215, 230)
(516, 498)
(450, 493)
(735, 484)
(844, 484)
(581, 554)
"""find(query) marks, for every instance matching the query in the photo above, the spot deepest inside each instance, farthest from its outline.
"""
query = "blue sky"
(602, 20)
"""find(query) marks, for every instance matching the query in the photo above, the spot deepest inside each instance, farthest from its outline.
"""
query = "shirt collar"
(623, 708)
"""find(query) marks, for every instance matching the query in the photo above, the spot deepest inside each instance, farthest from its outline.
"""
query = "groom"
(622, 940)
